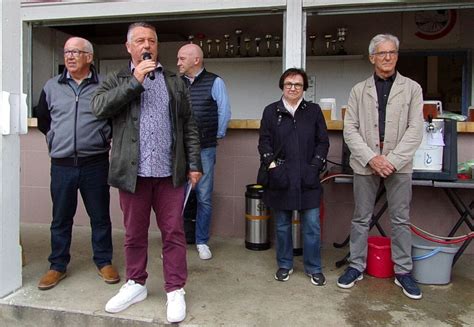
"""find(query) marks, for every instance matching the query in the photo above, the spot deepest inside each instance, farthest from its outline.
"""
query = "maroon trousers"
(167, 203)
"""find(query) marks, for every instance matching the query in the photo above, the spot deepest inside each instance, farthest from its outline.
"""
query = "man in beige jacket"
(383, 127)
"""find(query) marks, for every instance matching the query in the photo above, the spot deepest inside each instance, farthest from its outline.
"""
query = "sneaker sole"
(350, 285)
(286, 278)
(205, 258)
(411, 296)
(314, 283)
(175, 320)
(140, 297)
(50, 286)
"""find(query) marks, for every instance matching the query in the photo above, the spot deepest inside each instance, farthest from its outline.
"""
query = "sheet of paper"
(188, 189)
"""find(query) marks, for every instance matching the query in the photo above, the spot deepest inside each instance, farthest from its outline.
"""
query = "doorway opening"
(444, 75)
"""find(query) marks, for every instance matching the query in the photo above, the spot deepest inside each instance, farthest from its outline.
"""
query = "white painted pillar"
(294, 32)
(10, 81)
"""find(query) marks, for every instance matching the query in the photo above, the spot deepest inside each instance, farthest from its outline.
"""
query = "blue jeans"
(204, 195)
(91, 180)
(311, 233)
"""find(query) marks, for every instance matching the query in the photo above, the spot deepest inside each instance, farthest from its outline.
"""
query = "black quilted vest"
(204, 107)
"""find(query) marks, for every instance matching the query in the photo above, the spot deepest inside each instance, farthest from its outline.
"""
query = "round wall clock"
(434, 24)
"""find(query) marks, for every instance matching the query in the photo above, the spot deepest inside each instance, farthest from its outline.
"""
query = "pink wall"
(237, 162)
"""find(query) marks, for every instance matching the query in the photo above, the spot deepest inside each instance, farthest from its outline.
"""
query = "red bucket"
(379, 257)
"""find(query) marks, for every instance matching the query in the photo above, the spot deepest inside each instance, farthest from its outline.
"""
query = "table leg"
(343, 261)
(375, 219)
(343, 244)
(463, 210)
(460, 251)
(465, 213)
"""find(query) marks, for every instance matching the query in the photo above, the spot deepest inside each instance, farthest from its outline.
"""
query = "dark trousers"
(91, 181)
(167, 203)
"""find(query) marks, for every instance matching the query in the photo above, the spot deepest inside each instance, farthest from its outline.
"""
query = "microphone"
(150, 75)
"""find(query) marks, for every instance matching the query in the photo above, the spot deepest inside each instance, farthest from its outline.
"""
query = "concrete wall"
(237, 163)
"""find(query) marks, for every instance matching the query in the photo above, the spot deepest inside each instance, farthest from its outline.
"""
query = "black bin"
(189, 216)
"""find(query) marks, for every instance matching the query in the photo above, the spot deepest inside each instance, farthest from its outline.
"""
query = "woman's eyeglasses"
(297, 86)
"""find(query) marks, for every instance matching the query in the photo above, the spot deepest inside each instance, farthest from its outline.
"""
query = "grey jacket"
(71, 129)
(118, 97)
(403, 124)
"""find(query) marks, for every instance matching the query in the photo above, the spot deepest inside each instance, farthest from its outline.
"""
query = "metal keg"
(296, 233)
(256, 219)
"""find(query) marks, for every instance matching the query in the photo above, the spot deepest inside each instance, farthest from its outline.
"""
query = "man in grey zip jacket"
(155, 148)
(78, 145)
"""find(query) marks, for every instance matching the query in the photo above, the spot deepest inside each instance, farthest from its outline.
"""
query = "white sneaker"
(176, 306)
(129, 294)
(204, 251)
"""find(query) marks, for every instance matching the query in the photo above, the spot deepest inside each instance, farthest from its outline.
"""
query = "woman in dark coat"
(294, 143)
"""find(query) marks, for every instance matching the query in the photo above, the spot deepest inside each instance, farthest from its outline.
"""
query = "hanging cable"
(440, 239)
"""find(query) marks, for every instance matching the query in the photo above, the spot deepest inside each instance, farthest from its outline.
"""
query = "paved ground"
(236, 287)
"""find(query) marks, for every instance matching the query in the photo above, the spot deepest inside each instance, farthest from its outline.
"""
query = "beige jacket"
(403, 124)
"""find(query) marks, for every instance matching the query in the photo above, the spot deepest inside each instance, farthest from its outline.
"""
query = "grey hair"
(132, 26)
(87, 44)
(380, 38)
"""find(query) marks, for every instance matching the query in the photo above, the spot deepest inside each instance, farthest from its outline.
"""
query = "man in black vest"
(211, 110)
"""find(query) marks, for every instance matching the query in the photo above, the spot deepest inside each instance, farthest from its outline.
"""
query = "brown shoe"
(51, 279)
(109, 274)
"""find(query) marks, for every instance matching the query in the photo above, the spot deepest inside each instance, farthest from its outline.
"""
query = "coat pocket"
(278, 178)
(310, 177)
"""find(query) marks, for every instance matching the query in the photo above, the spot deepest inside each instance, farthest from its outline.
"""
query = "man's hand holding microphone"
(146, 68)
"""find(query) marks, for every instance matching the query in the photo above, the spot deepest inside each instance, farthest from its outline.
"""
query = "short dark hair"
(291, 72)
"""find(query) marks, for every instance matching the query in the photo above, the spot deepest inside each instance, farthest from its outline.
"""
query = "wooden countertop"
(333, 125)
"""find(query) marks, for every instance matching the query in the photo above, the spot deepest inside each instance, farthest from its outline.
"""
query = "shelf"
(335, 57)
(270, 59)
(243, 59)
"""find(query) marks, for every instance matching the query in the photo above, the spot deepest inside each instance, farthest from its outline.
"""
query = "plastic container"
(328, 106)
(379, 257)
(432, 261)
(429, 155)
(432, 108)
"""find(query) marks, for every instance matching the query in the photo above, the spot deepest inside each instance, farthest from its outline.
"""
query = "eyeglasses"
(383, 54)
(297, 86)
(75, 52)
